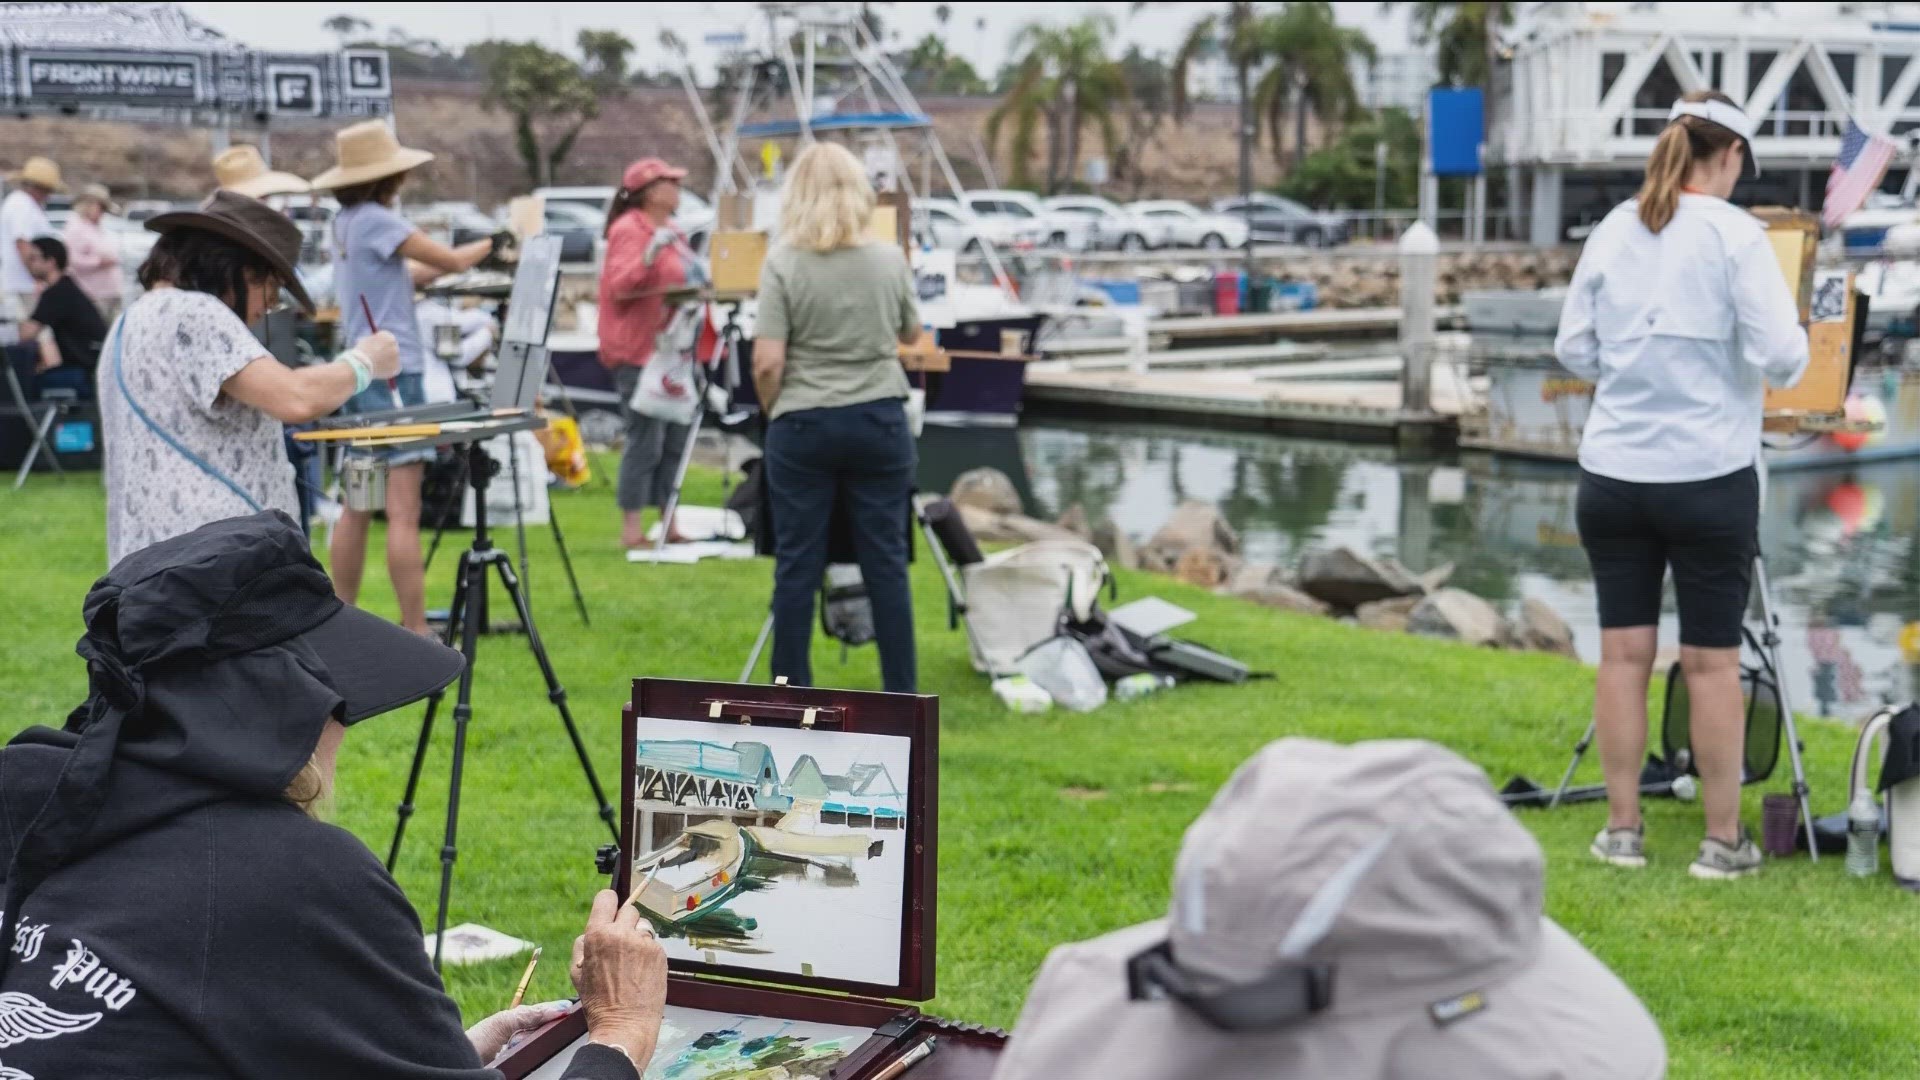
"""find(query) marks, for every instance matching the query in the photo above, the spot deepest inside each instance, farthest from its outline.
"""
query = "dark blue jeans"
(861, 457)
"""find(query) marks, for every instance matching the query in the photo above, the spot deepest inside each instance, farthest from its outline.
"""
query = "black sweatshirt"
(199, 931)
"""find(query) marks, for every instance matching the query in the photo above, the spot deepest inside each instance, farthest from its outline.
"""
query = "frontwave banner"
(152, 61)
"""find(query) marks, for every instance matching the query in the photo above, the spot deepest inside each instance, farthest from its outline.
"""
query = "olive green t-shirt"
(842, 314)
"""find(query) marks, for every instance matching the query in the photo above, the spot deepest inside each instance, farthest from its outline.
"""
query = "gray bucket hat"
(1367, 912)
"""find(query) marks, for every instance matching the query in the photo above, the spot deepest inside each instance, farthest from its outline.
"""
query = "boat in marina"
(694, 875)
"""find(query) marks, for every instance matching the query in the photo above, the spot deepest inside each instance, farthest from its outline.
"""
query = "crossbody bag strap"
(198, 462)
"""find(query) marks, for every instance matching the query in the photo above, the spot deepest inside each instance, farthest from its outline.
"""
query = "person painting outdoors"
(93, 257)
(177, 905)
(191, 405)
(834, 309)
(373, 247)
(645, 258)
(1680, 315)
(23, 216)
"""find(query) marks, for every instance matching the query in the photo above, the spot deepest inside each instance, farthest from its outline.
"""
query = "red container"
(1226, 292)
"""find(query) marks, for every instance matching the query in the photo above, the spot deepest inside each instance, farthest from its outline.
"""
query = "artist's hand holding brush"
(621, 973)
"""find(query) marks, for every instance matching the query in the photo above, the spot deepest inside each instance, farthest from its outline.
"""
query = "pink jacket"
(93, 259)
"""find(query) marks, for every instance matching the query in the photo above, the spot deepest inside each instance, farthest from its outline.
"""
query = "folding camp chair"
(37, 415)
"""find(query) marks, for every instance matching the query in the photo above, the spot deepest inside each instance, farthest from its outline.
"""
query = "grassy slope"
(1058, 827)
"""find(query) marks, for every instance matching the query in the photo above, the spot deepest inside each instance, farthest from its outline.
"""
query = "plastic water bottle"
(1141, 684)
(1863, 835)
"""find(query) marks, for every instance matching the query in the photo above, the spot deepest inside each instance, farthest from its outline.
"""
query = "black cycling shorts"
(1706, 530)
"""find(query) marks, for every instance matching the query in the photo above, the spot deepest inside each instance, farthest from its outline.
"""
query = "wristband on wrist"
(362, 370)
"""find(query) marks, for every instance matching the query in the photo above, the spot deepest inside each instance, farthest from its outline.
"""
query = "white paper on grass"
(471, 943)
(1149, 616)
(830, 917)
(691, 552)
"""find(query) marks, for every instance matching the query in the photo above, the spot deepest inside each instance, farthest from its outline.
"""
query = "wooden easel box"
(964, 1052)
(1822, 391)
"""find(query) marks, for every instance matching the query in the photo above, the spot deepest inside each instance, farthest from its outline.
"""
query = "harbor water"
(1842, 544)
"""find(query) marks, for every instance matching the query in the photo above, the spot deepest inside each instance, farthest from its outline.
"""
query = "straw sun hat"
(367, 152)
(242, 169)
(40, 172)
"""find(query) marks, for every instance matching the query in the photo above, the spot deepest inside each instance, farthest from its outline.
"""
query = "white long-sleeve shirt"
(1680, 331)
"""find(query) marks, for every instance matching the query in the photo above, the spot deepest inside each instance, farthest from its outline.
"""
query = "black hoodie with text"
(171, 914)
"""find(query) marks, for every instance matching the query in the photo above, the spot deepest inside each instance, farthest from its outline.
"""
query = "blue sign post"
(1456, 130)
(1456, 136)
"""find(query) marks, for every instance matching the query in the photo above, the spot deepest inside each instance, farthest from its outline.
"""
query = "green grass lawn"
(1058, 827)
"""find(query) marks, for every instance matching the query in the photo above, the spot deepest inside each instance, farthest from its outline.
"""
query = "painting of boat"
(796, 837)
(694, 875)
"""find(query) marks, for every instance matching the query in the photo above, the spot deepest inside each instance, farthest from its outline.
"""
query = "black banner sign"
(111, 76)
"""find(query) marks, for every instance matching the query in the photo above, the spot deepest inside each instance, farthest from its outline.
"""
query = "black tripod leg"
(558, 695)
(446, 514)
(476, 581)
(566, 561)
(456, 615)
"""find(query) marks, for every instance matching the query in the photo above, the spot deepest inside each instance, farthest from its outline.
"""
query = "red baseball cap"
(646, 171)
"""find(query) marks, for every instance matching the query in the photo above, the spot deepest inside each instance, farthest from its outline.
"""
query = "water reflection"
(1844, 544)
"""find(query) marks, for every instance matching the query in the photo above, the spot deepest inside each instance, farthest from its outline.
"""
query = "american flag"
(1856, 172)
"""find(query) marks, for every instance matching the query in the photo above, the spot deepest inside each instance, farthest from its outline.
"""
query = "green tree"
(1342, 174)
(1066, 80)
(1232, 33)
(1149, 103)
(606, 53)
(1465, 38)
(346, 26)
(549, 98)
(933, 68)
(1311, 54)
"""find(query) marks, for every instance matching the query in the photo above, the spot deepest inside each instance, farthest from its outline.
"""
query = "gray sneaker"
(1719, 862)
(1621, 847)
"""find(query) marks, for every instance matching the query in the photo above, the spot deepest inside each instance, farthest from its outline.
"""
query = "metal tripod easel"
(469, 600)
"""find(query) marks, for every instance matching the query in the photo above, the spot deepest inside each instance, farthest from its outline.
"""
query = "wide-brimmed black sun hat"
(253, 225)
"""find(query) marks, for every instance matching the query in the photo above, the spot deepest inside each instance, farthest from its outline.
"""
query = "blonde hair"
(309, 788)
(827, 200)
(1684, 141)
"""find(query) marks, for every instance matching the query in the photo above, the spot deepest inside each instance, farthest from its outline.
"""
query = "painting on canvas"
(776, 849)
(696, 1045)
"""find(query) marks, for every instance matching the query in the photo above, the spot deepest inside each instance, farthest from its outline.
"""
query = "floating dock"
(1328, 397)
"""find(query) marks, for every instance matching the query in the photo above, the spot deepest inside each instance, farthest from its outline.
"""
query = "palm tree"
(1232, 33)
(1311, 52)
(1066, 79)
(1465, 37)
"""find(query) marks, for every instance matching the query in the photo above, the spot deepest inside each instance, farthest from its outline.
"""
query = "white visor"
(1727, 116)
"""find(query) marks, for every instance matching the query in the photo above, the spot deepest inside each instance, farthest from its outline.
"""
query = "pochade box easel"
(786, 836)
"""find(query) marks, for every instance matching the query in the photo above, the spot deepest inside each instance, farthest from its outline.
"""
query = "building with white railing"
(1589, 85)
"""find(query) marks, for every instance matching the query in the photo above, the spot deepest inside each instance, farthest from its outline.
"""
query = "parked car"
(454, 223)
(578, 227)
(1111, 227)
(1189, 226)
(1282, 221)
(694, 210)
(1071, 232)
(943, 223)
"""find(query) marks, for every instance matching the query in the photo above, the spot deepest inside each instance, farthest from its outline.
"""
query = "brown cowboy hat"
(250, 223)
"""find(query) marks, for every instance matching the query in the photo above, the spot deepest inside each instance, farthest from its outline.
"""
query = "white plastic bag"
(666, 390)
(1060, 666)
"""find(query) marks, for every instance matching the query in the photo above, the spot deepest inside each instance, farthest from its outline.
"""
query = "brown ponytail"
(622, 201)
(1684, 141)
